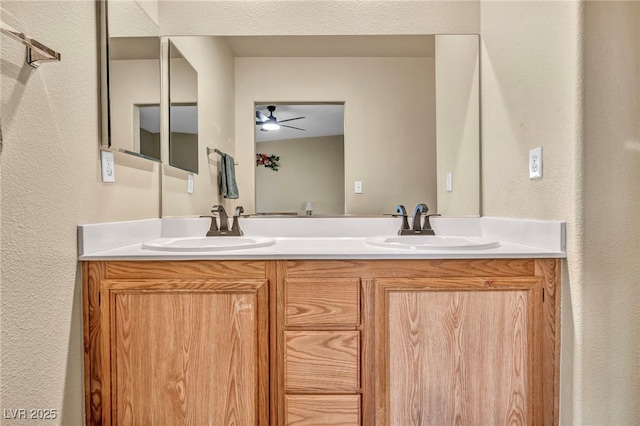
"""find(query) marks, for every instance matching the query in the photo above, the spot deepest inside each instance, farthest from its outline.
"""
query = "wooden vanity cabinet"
(322, 342)
(465, 341)
(177, 343)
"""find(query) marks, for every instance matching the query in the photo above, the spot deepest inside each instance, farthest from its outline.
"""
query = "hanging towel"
(228, 186)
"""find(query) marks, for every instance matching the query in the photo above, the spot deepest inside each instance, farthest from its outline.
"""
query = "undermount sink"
(432, 242)
(208, 243)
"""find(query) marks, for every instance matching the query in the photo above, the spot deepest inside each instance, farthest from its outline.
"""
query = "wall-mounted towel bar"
(217, 151)
(36, 51)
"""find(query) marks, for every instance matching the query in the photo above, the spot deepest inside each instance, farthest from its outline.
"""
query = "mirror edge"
(103, 91)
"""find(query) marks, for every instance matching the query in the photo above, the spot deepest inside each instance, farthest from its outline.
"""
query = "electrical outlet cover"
(190, 183)
(535, 163)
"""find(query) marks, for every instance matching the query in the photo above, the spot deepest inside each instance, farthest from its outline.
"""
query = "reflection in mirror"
(183, 114)
(147, 118)
(412, 113)
(134, 95)
(300, 159)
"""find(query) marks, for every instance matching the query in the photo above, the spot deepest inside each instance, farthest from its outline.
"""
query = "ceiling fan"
(271, 122)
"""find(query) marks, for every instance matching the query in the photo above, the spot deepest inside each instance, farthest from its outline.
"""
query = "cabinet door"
(188, 357)
(458, 351)
(177, 343)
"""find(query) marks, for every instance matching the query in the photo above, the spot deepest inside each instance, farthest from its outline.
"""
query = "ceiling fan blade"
(291, 127)
(290, 119)
(261, 117)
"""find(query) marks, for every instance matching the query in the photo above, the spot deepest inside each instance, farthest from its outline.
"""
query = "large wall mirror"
(410, 110)
(411, 120)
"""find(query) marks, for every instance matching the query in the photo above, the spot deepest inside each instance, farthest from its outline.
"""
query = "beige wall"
(556, 77)
(135, 18)
(311, 169)
(396, 163)
(215, 128)
(51, 183)
(457, 76)
(608, 319)
(324, 17)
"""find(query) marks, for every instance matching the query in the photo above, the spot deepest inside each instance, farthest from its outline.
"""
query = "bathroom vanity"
(322, 331)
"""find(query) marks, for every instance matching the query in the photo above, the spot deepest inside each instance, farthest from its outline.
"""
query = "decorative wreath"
(269, 161)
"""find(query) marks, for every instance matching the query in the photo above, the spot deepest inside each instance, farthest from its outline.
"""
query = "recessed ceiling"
(320, 120)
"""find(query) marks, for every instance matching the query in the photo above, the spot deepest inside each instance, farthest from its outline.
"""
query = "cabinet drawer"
(322, 302)
(322, 410)
(322, 361)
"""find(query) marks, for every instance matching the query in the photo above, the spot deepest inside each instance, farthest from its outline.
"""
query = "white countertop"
(322, 238)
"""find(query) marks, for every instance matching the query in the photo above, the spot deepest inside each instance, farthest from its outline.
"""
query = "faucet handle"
(217, 208)
(224, 219)
(401, 210)
(235, 226)
(427, 224)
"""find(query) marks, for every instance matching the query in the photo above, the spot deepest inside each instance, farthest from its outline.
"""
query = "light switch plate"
(535, 163)
(449, 182)
(190, 183)
(357, 187)
(108, 166)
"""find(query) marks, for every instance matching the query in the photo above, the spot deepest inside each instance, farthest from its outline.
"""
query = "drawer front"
(322, 361)
(322, 302)
(322, 410)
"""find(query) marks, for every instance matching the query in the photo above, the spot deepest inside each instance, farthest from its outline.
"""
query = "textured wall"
(557, 77)
(531, 96)
(51, 183)
(319, 17)
(610, 292)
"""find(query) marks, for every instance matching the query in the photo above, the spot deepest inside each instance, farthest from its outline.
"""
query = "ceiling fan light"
(271, 126)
